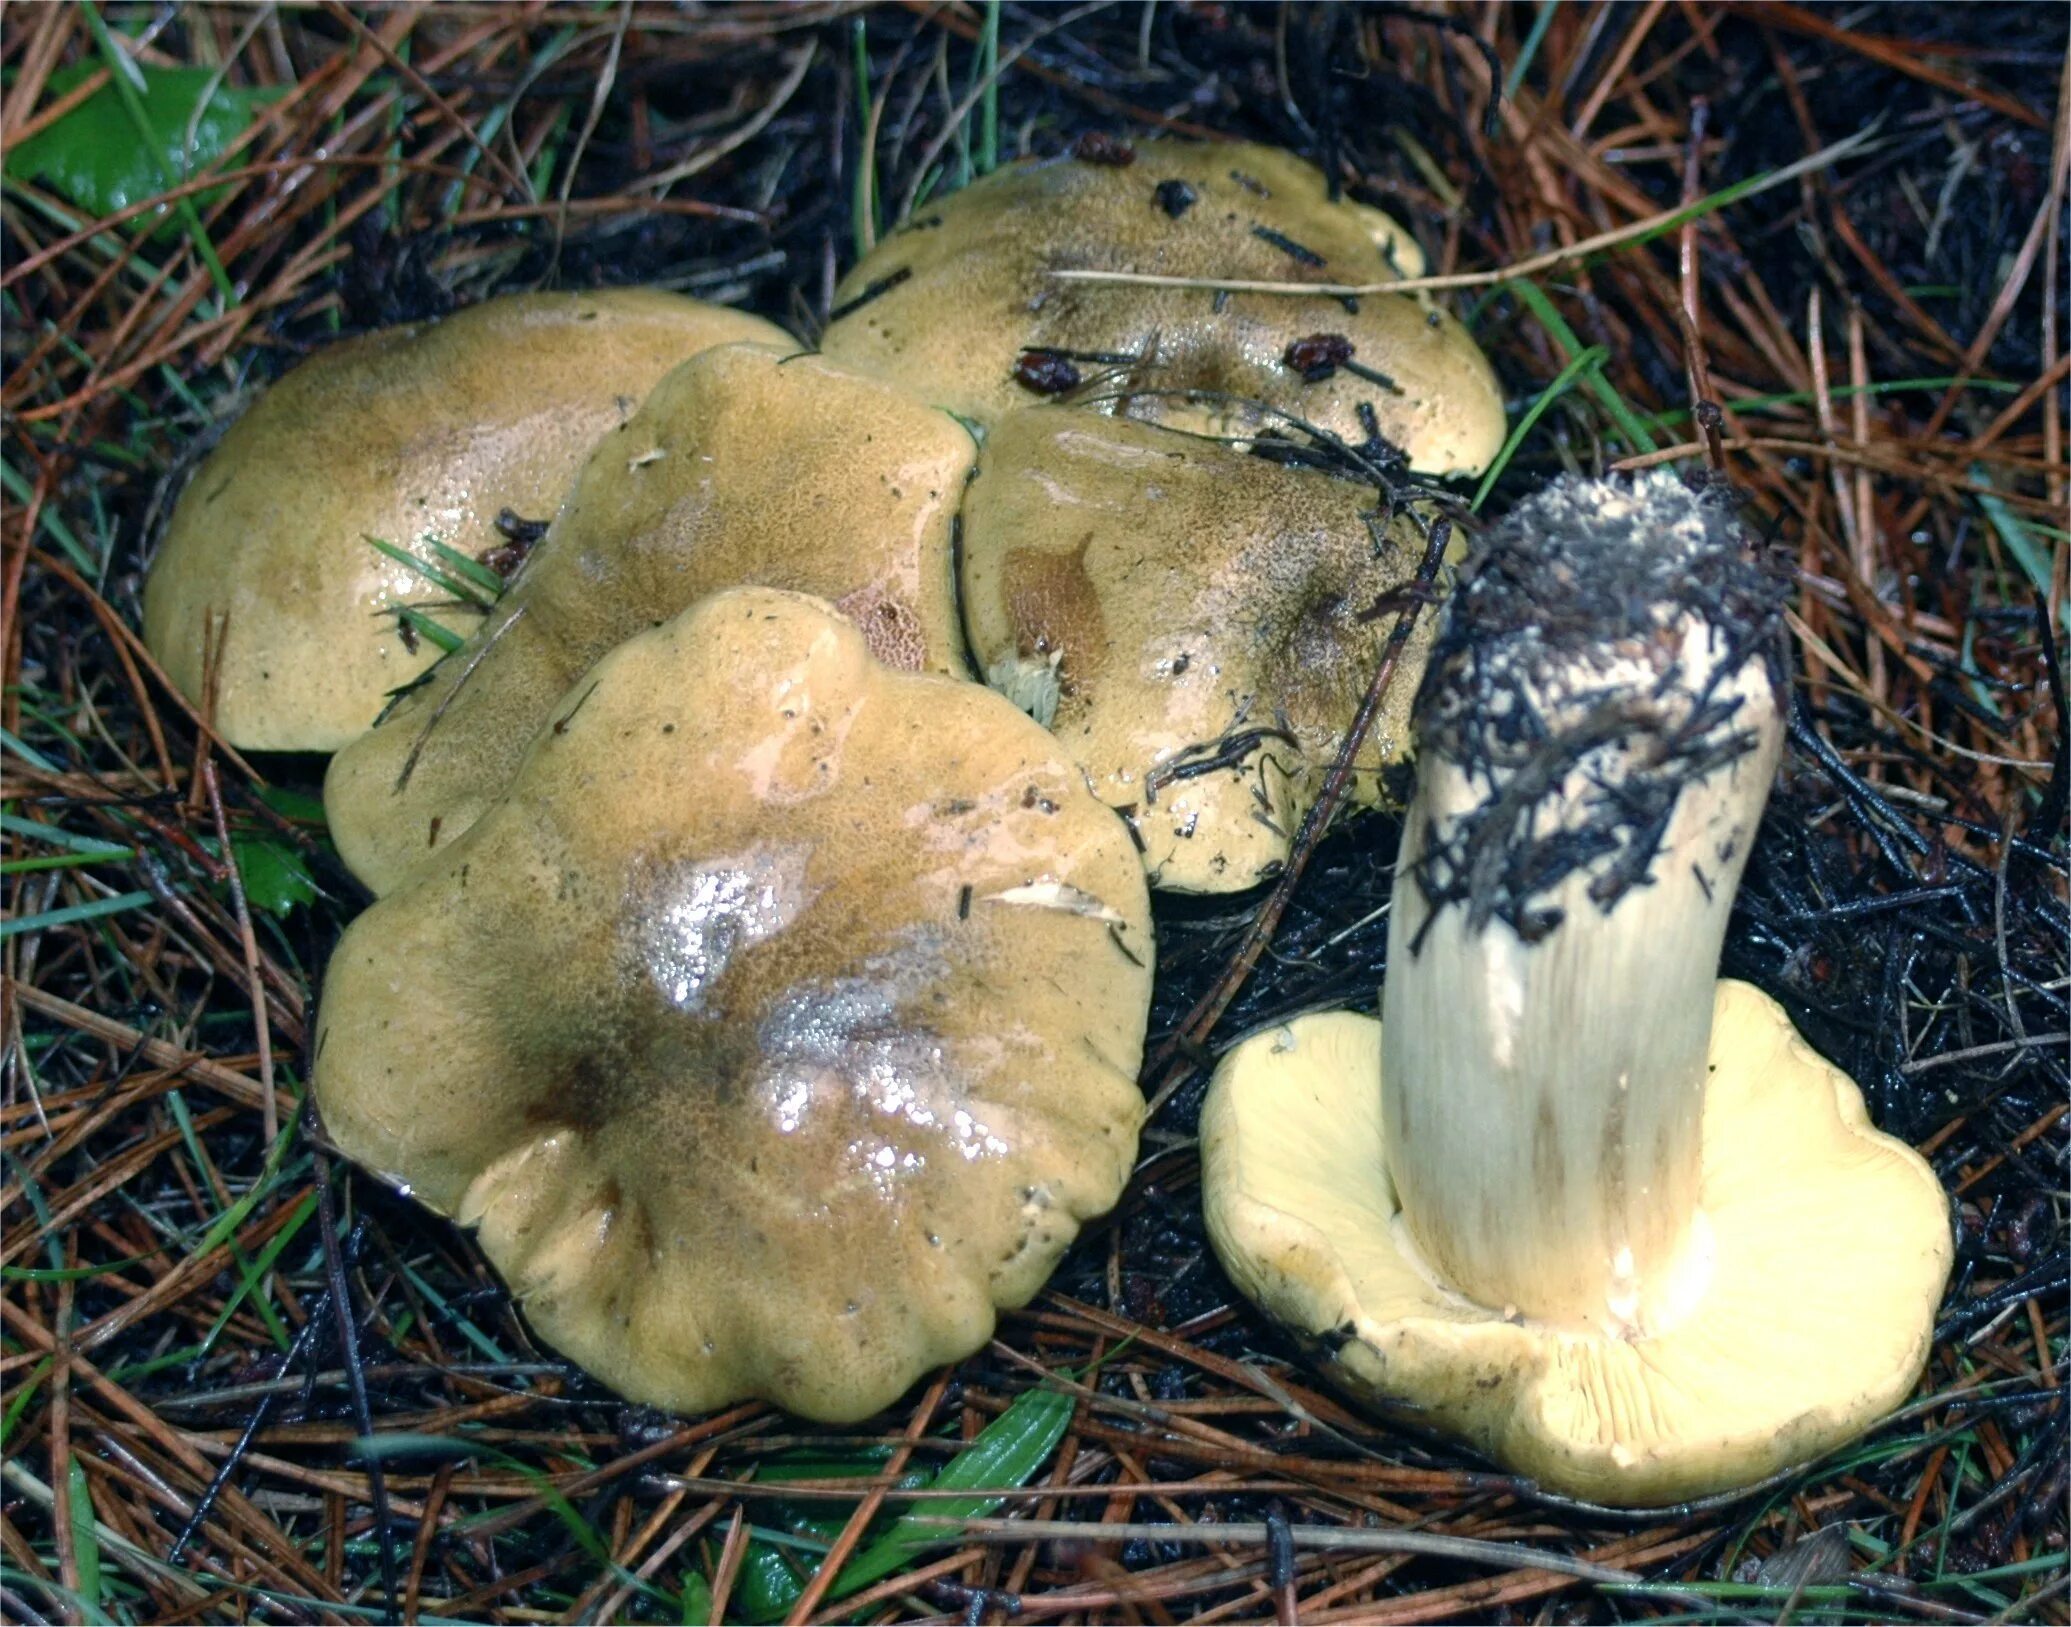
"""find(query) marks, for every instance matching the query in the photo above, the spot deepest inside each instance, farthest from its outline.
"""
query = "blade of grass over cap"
(1618, 237)
(462, 585)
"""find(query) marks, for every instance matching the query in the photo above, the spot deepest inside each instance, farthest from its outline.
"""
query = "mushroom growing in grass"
(751, 464)
(963, 307)
(779, 1023)
(412, 435)
(1574, 1199)
(1197, 626)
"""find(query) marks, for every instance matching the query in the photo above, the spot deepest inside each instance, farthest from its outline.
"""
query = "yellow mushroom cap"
(951, 303)
(1830, 1245)
(425, 430)
(779, 1023)
(748, 465)
(1189, 622)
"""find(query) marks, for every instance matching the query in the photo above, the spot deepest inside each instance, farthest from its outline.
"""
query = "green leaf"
(298, 806)
(94, 155)
(766, 1586)
(275, 879)
(696, 1610)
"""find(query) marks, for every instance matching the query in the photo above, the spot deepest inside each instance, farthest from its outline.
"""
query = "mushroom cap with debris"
(425, 430)
(1196, 625)
(961, 306)
(1829, 1240)
(778, 1024)
(750, 464)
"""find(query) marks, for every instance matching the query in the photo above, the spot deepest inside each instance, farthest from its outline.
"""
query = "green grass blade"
(469, 570)
(56, 837)
(57, 861)
(2029, 554)
(1008, 1452)
(863, 193)
(453, 586)
(251, 1273)
(1542, 307)
(1563, 381)
(18, 487)
(18, 1403)
(91, 911)
(86, 1541)
(1530, 49)
(443, 638)
(1840, 392)
(988, 157)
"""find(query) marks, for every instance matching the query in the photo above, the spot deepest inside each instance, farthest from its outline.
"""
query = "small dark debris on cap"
(1098, 147)
(874, 289)
(1297, 252)
(519, 535)
(1045, 372)
(1317, 355)
(1175, 197)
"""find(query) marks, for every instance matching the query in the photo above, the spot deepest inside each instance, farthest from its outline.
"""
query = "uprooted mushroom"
(267, 572)
(1608, 1218)
(749, 465)
(779, 1023)
(1197, 626)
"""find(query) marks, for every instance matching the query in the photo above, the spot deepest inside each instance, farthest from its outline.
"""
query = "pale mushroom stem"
(1597, 733)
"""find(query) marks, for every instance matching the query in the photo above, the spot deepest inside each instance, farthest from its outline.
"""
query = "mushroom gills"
(1830, 1245)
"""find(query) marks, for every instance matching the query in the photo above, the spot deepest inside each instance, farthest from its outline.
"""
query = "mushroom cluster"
(1573, 1198)
(770, 995)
